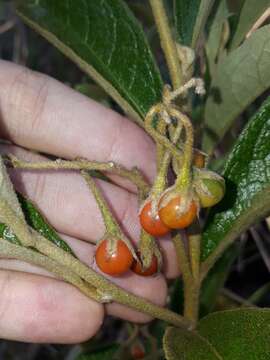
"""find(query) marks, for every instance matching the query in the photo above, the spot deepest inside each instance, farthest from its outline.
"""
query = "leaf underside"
(238, 334)
(248, 16)
(240, 78)
(180, 344)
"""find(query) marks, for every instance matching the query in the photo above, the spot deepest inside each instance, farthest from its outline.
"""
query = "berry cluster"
(165, 208)
(208, 190)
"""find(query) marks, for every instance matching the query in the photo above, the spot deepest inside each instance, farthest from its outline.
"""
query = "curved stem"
(161, 178)
(167, 42)
(183, 180)
(159, 138)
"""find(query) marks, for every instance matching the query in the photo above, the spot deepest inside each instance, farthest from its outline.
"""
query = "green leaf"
(190, 17)
(241, 77)
(238, 334)
(213, 43)
(8, 235)
(250, 13)
(105, 353)
(105, 40)
(215, 280)
(37, 221)
(180, 344)
(247, 175)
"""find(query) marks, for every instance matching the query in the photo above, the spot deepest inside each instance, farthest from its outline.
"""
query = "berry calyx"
(151, 270)
(176, 211)
(115, 263)
(152, 225)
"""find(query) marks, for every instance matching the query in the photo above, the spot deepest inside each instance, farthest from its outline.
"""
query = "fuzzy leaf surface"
(238, 334)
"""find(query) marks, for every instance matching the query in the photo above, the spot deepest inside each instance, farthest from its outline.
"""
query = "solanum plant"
(218, 64)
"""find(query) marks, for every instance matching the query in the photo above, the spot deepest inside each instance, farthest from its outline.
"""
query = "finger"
(152, 288)
(40, 113)
(69, 206)
(38, 309)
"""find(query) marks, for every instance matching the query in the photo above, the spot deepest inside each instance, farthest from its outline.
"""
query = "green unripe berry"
(210, 191)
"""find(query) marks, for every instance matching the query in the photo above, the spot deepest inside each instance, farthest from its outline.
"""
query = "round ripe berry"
(153, 226)
(171, 216)
(113, 264)
(137, 268)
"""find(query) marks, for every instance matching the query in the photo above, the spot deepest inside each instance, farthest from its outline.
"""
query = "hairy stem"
(184, 178)
(159, 138)
(133, 175)
(167, 42)
(110, 223)
(32, 257)
(191, 285)
(194, 242)
(106, 289)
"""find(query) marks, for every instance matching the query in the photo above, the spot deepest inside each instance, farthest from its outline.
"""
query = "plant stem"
(81, 164)
(10, 250)
(67, 264)
(167, 42)
(111, 225)
(106, 289)
(191, 285)
(194, 242)
(182, 258)
(159, 138)
(191, 305)
(184, 178)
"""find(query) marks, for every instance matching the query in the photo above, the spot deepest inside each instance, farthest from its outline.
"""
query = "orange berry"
(137, 352)
(113, 264)
(153, 226)
(137, 267)
(171, 214)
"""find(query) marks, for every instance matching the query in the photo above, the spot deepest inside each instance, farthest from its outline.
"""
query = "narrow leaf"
(190, 17)
(250, 13)
(241, 77)
(105, 40)
(238, 334)
(180, 344)
(40, 224)
(247, 175)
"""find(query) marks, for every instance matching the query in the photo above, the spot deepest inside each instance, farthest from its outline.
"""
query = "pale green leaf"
(250, 12)
(239, 334)
(241, 77)
(180, 344)
(214, 40)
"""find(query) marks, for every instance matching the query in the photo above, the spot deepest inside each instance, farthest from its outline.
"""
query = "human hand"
(41, 114)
